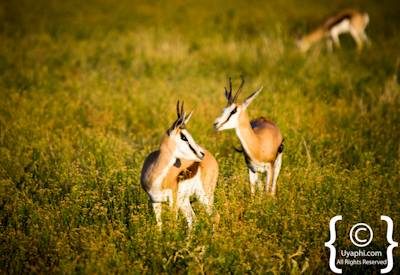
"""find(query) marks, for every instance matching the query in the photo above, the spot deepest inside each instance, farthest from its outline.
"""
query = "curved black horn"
(177, 108)
(182, 112)
(228, 93)
(239, 89)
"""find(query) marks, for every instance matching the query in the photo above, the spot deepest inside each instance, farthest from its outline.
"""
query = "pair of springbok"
(181, 168)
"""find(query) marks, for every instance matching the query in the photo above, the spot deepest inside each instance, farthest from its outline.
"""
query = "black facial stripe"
(184, 138)
(231, 114)
(191, 148)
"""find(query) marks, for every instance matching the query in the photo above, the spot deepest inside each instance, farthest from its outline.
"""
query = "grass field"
(88, 88)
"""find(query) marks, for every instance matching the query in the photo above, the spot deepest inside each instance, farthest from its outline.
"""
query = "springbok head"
(229, 118)
(302, 44)
(180, 141)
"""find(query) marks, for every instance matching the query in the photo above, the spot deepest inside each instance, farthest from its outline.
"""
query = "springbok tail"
(281, 147)
(239, 150)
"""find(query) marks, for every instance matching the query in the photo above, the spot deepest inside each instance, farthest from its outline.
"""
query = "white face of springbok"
(184, 146)
(229, 119)
(302, 44)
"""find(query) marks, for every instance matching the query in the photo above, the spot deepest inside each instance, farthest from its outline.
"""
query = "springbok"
(261, 139)
(347, 21)
(179, 169)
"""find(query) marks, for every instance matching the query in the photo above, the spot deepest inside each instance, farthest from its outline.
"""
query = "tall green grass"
(88, 88)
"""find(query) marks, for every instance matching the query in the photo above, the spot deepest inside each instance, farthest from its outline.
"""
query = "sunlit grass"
(88, 89)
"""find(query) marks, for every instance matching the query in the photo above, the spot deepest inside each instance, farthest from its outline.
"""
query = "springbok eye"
(234, 111)
(183, 137)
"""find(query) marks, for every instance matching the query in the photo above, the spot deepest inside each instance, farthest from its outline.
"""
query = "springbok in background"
(348, 21)
(179, 169)
(261, 139)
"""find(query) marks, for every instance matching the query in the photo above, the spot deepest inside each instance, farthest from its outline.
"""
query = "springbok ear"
(187, 118)
(251, 97)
